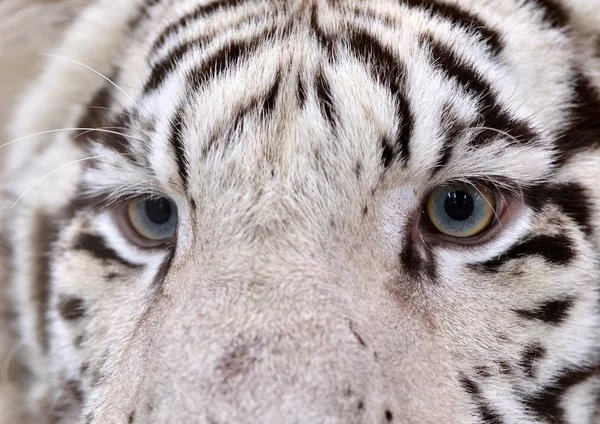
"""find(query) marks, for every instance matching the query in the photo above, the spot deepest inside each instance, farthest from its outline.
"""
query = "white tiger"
(301, 211)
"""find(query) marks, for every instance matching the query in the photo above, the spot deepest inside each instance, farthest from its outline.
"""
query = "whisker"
(69, 129)
(504, 133)
(99, 128)
(126, 187)
(58, 169)
(97, 73)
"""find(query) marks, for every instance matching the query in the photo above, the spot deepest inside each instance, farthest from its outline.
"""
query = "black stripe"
(419, 263)
(99, 116)
(263, 105)
(167, 64)
(270, 101)
(116, 140)
(452, 128)
(387, 152)
(494, 116)
(546, 404)
(326, 102)
(165, 67)
(460, 18)
(45, 234)
(95, 245)
(176, 141)
(160, 276)
(96, 111)
(572, 198)
(487, 414)
(230, 53)
(326, 41)
(530, 358)
(390, 72)
(556, 250)
(552, 12)
(584, 130)
(71, 308)
(552, 312)
(203, 11)
(302, 94)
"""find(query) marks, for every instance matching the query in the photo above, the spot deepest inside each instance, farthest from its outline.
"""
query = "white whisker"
(97, 73)
(504, 133)
(68, 129)
(55, 171)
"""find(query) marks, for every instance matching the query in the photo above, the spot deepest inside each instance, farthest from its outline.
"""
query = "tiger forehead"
(270, 87)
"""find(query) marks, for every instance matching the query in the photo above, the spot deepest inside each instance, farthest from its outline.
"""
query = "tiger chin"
(301, 211)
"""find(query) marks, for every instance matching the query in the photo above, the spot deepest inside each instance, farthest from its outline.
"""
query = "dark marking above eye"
(391, 73)
(460, 18)
(486, 413)
(530, 358)
(546, 402)
(494, 117)
(556, 250)
(583, 131)
(202, 11)
(95, 112)
(552, 312)
(176, 141)
(131, 417)
(71, 308)
(452, 127)
(572, 198)
(389, 417)
(96, 246)
(552, 12)
(231, 54)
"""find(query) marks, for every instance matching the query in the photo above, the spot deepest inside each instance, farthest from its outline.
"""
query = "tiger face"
(310, 211)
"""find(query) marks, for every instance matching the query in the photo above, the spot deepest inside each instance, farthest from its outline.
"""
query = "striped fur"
(299, 139)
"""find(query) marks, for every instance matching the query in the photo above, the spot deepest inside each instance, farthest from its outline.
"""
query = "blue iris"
(153, 219)
(460, 211)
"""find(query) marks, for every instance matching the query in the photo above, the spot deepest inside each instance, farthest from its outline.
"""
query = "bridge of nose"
(256, 366)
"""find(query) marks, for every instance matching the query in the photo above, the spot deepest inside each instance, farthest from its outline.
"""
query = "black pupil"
(459, 205)
(158, 211)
